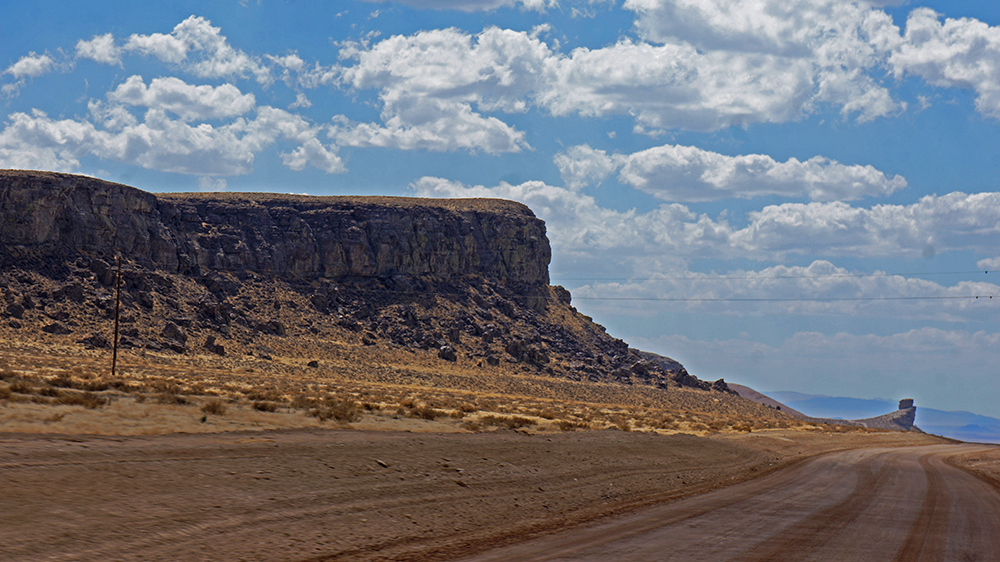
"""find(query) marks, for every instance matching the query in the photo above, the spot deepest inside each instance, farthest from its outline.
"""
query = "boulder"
(57, 328)
(447, 353)
(172, 331)
(214, 346)
(96, 340)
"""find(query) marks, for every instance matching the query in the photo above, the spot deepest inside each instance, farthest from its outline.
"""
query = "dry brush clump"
(214, 407)
(342, 410)
(265, 406)
(509, 422)
(87, 399)
(567, 425)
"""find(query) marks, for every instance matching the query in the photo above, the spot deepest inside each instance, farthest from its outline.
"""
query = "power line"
(794, 299)
(762, 277)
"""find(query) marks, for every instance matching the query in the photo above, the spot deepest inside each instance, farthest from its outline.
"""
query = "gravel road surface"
(896, 504)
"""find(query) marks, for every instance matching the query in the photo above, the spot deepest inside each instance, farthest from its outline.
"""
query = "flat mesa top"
(472, 204)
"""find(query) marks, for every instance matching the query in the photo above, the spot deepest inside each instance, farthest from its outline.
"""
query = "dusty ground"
(900, 504)
(984, 464)
(355, 495)
(374, 454)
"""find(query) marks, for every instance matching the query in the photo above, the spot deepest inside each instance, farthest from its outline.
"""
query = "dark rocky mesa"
(464, 279)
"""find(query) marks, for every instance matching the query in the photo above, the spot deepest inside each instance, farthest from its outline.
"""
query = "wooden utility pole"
(118, 304)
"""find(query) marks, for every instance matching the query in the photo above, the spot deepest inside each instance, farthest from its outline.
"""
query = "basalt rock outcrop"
(50, 215)
(463, 281)
(900, 420)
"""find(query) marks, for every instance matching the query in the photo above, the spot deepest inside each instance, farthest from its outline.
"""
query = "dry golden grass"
(356, 385)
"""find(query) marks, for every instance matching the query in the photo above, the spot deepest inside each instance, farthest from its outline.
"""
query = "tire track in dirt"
(928, 534)
(900, 504)
(802, 539)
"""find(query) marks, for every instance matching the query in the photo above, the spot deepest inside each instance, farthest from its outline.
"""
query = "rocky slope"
(269, 275)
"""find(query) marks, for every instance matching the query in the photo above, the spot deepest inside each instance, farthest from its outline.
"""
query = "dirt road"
(335, 495)
(895, 504)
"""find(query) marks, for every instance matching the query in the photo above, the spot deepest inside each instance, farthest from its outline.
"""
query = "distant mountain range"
(964, 426)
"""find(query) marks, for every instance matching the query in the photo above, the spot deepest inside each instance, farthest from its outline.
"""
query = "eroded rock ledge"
(45, 214)
(463, 281)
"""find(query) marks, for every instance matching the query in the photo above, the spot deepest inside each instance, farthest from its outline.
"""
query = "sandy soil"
(983, 463)
(357, 495)
(903, 504)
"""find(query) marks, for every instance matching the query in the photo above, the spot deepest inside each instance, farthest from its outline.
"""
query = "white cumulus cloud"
(954, 53)
(435, 86)
(31, 66)
(158, 142)
(312, 153)
(582, 165)
(580, 229)
(201, 49)
(187, 101)
(474, 5)
(101, 49)
(687, 173)
(819, 289)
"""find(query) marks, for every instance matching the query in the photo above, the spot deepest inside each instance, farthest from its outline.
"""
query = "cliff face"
(464, 280)
(286, 235)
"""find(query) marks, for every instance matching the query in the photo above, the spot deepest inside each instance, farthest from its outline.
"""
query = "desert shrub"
(49, 391)
(698, 426)
(457, 414)
(567, 425)
(426, 412)
(195, 389)
(303, 402)
(166, 387)
(467, 408)
(472, 426)
(62, 381)
(512, 422)
(717, 425)
(264, 406)
(4, 392)
(214, 407)
(270, 395)
(170, 398)
(88, 400)
(620, 421)
(95, 386)
(22, 387)
(340, 410)
(7, 374)
(547, 414)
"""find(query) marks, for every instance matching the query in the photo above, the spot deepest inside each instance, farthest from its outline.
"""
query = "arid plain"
(342, 379)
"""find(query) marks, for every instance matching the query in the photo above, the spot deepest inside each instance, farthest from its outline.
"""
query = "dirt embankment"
(983, 464)
(355, 495)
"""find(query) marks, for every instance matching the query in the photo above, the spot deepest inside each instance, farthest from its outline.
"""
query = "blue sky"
(791, 194)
